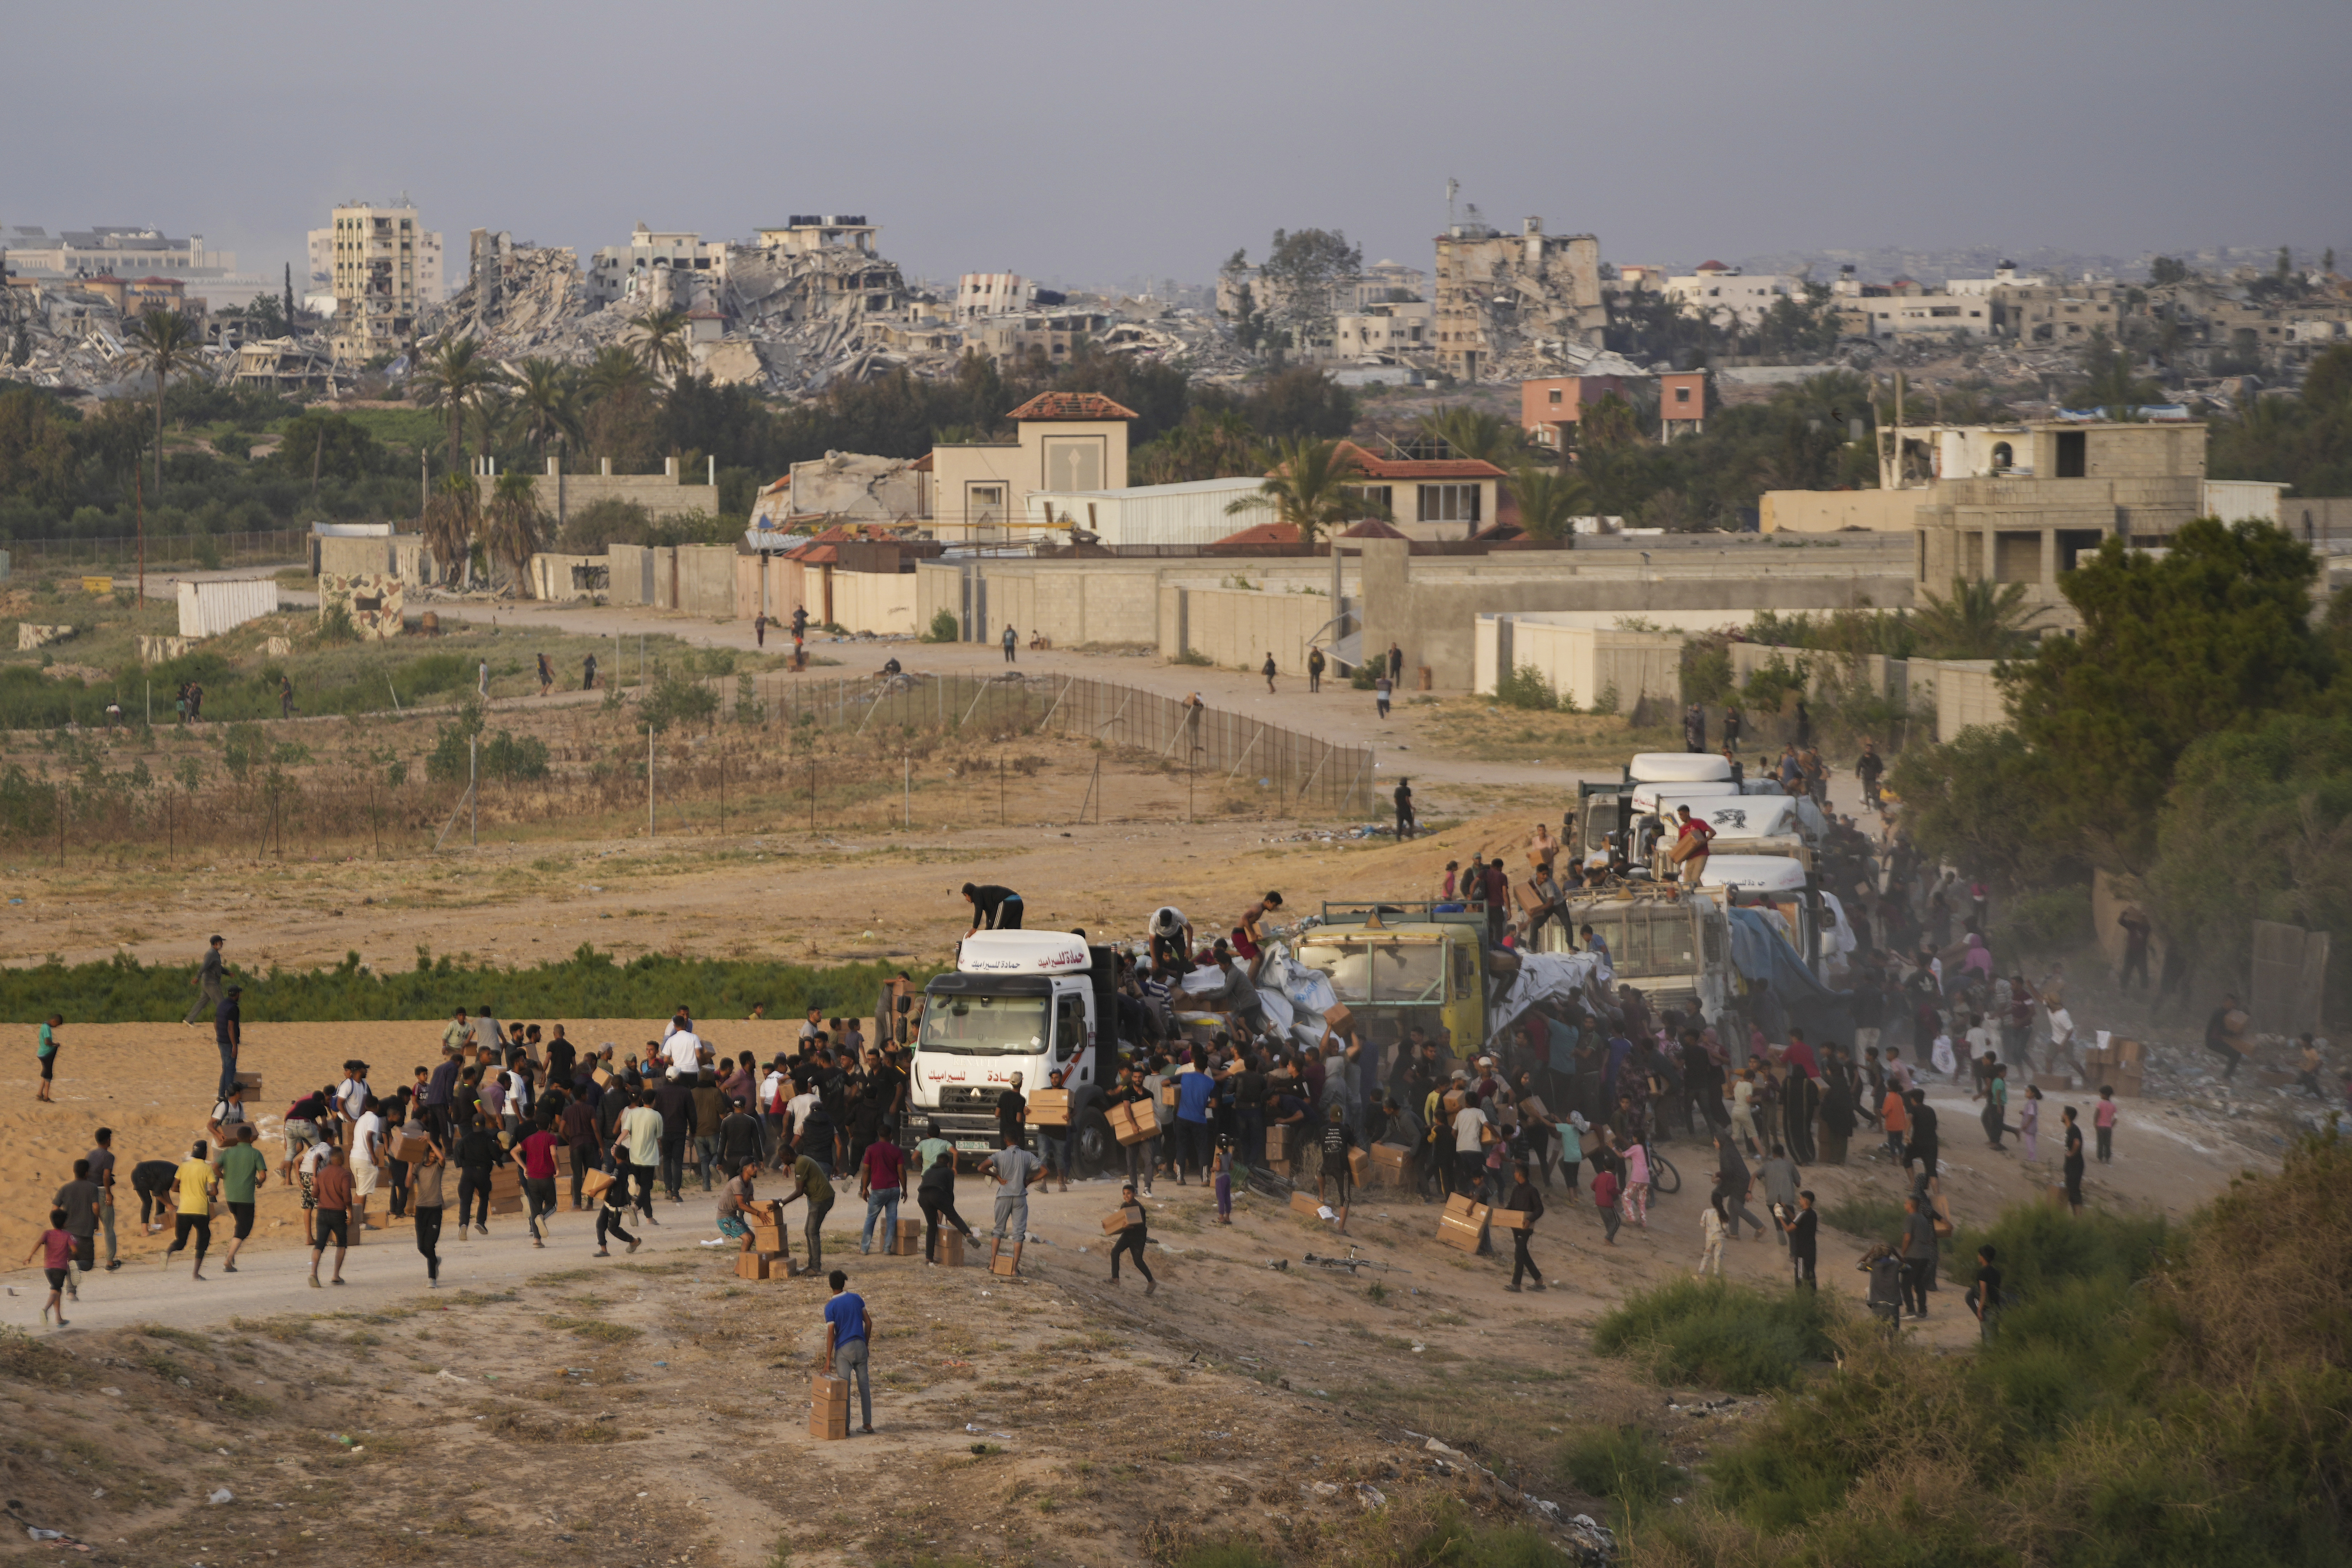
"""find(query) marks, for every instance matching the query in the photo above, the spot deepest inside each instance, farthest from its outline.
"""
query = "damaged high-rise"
(1508, 304)
(377, 267)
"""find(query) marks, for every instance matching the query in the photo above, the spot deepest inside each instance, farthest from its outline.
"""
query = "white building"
(2005, 276)
(1191, 513)
(991, 294)
(377, 261)
(1729, 297)
(621, 271)
(430, 287)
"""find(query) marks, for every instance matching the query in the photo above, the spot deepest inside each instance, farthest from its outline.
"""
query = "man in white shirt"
(813, 1025)
(798, 1109)
(638, 1137)
(351, 1095)
(305, 1170)
(2062, 1039)
(683, 1051)
(681, 1019)
(367, 1142)
(1469, 1153)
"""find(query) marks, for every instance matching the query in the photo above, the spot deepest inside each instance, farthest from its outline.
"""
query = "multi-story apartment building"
(1494, 291)
(377, 262)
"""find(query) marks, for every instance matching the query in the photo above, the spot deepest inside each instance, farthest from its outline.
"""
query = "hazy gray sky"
(1099, 142)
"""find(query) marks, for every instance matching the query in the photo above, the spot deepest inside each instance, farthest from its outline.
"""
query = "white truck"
(1018, 1002)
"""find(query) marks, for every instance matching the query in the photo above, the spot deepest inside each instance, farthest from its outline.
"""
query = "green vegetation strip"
(588, 984)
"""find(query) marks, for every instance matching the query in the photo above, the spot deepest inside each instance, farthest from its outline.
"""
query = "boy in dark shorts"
(1333, 1182)
(56, 1248)
(47, 1051)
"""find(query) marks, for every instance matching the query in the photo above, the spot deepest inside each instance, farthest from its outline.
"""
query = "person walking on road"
(196, 1183)
(1268, 670)
(101, 1172)
(849, 1338)
(55, 1249)
(332, 1187)
(243, 1169)
(1314, 670)
(1016, 1170)
(425, 1202)
(46, 1049)
(209, 986)
(1012, 640)
(546, 676)
(1524, 1200)
(1131, 1239)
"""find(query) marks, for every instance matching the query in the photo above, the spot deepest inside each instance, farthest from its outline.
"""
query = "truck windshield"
(1600, 822)
(1371, 969)
(984, 1026)
(1645, 941)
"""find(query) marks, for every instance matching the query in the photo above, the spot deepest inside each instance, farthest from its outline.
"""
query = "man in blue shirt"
(847, 1327)
(1194, 1090)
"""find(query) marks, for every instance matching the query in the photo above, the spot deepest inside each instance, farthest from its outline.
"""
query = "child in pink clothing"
(1635, 1202)
(57, 1249)
(2102, 1117)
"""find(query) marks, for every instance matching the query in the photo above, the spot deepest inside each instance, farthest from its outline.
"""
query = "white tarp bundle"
(1547, 977)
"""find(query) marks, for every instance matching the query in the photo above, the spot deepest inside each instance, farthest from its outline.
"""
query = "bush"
(1625, 1463)
(1732, 1337)
(675, 698)
(944, 628)
(2054, 923)
(1527, 688)
(1191, 655)
(515, 760)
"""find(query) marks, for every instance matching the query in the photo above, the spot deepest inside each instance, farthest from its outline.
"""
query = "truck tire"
(1094, 1148)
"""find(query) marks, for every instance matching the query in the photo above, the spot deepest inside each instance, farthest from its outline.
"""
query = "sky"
(1098, 143)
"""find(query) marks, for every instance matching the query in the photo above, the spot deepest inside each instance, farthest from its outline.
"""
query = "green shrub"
(1724, 1336)
(1623, 1463)
(515, 759)
(944, 628)
(1871, 1214)
(675, 698)
(1525, 687)
(2054, 923)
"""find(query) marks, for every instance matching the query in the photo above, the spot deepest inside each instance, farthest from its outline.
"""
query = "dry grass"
(1478, 729)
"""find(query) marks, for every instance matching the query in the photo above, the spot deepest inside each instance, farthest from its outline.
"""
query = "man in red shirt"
(1692, 855)
(880, 1179)
(333, 1190)
(536, 1154)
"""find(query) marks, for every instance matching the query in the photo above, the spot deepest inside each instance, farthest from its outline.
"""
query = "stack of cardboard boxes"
(2118, 1063)
(506, 1188)
(1134, 1121)
(829, 1407)
(1463, 1224)
(1391, 1165)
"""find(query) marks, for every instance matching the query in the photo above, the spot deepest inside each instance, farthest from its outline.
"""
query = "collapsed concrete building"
(1508, 305)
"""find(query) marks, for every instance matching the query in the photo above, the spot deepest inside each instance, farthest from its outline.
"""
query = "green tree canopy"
(2205, 639)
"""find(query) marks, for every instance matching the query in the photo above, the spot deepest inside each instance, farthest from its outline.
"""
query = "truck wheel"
(1095, 1149)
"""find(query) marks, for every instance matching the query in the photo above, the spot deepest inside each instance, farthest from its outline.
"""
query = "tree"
(454, 376)
(2165, 269)
(2258, 825)
(1980, 620)
(1310, 489)
(448, 524)
(547, 405)
(1475, 433)
(1549, 499)
(1300, 273)
(1611, 422)
(662, 344)
(510, 526)
(1210, 445)
(2209, 640)
(1979, 801)
(2109, 383)
(163, 343)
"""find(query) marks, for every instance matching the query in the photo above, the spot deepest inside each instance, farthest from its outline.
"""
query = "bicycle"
(1663, 1178)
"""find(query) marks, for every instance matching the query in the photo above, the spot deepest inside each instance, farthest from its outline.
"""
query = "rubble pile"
(526, 302)
(76, 340)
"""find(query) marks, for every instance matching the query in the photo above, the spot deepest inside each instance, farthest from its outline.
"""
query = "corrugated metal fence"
(1312, 776)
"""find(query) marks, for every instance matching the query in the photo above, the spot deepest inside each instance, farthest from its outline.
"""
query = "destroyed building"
(1507, 304)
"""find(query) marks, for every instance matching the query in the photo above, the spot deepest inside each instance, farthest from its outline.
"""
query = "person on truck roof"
(992, 908)
(1249, 936)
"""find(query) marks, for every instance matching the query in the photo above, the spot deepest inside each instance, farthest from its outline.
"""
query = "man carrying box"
(1016, 1171)
(848, 1333)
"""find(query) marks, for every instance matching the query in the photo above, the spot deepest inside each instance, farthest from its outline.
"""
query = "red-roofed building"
(1065, 407)
(1071, 443)
(1429, 498)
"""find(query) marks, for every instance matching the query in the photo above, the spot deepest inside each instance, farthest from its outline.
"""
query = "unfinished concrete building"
(1506, 302)
(376, 269)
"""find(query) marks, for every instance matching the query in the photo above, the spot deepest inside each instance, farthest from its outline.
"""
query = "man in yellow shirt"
(197, 1182)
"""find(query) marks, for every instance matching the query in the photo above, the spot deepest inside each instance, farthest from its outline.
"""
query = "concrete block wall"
(692, 579)
(1237, 628)
(660, 494)
(1828, 511)
(882, 603)
(1582, 662)
(1961, 691)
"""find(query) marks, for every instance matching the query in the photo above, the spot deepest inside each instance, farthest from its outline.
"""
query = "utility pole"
(473, 791)
(649, 783)
(138, 490)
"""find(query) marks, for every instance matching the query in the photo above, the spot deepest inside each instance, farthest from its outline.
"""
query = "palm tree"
(1549, 500)
(1980, 620)
(612, 373)
(1475, 433)
(546, 405)
(448, 524)
(1309, 488)
(663, 347)
(165, 343)
(454, 376)
(510, 526)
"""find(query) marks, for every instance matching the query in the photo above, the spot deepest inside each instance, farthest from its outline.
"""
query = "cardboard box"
(1001, 1264)
(828, 1391)
(1277, 1144)
(601, 1077)
(1529, 900)
(1533, 1106)
(595, 1182)
(1307, 1204)
(951, 1248)
(1114, 1222)
(1134, 1121)
(1512, 1220)
(1360, 1166)
(767, 1238)
(828, 1424)
(1050, 1108)
(751, 1266)
(1339, 1019)
(407, 1146)
(1279, 1167)
(1168, 1093)
(505, 1206)
(1458, 1233)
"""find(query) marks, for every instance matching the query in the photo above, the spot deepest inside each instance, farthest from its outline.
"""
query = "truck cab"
(1018, 1002)
(1672, 944)
(1783, 885)
(1395, 965)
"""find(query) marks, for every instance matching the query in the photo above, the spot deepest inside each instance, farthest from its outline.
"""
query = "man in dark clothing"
(1984, 1296)
(992, 908)
(2218, 1041)
(1011, 1111)
(1922, 1146)
(579, 1135)
(675, 1103)
(477, 1151)
(1804, 1230)
(209, 986)
(1918, 1253)
(228, 1034)
(1404, 821)
(1525, 1200)
(739, 1142)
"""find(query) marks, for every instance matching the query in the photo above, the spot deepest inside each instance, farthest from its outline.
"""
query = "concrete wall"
(660, 494)
(400, 555)
(1237, 628)
(551, 576)
(882, 603)
(1581, 662)
(692, 579)
(1827, 511)
(1961, 692)
(1433, 618)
